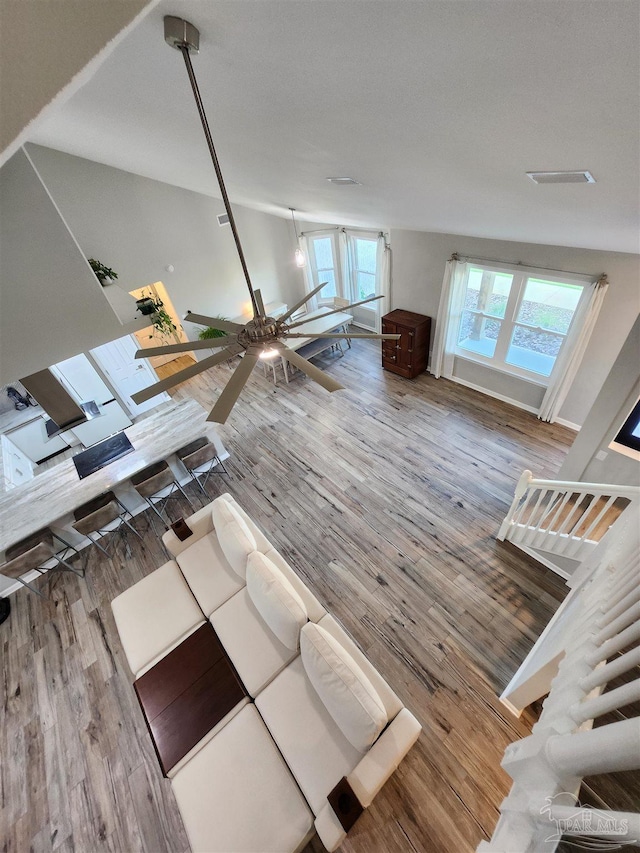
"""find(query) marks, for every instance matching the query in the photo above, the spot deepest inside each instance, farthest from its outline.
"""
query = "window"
(363, 267)
(348, 261)
(515, 320)
(323, 266)
(628, 438)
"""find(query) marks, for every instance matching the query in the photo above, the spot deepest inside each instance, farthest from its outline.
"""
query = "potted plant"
(210, 332)
(104, 274)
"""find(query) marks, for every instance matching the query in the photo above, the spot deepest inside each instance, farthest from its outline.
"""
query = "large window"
(324, 267)
(514, 320)
(363, 267)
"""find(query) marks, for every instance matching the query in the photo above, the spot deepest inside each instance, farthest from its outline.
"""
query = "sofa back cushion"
(275, 599)
(344, 689)
(234, 536)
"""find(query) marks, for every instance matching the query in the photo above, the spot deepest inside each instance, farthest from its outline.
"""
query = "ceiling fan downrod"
(183, 36)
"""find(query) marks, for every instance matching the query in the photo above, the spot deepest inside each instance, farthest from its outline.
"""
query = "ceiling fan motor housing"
(260, 330)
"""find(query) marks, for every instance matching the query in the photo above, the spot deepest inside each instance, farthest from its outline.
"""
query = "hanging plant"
(153, 307)
(104, 274)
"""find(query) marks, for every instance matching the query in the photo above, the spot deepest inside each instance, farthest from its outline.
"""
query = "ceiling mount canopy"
(262, 336)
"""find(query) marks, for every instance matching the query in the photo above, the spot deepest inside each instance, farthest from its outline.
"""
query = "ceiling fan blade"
(299, 304)
(313, 372)
(337, 310)
(187, 346)
(214, 322)
(187, 373)
(259, 302)
(232, 390)
(373, 335)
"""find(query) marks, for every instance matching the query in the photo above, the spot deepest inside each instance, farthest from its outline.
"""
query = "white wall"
(51, 304)
(617, 397)
(139, 226)
(45, 47)
(418, 267)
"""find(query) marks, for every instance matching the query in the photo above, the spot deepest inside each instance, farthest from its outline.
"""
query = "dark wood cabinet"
(408, 356)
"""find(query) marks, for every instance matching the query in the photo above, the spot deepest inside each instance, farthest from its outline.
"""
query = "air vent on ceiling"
(562, 177)
(344, 182)
(223, 219)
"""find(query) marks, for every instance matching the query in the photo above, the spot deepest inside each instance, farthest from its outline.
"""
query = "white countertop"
(58, 491)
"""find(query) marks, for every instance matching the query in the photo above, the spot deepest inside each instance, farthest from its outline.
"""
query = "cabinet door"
(405, 353)
(389, 348)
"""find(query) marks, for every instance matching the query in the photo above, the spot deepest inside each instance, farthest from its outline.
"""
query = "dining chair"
(101, 516)
(157, 484)
(33, 552)
(200, 457)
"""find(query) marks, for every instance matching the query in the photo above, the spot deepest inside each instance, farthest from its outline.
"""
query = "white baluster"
(604, 750)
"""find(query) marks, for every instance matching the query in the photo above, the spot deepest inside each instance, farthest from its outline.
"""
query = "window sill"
(540, 383)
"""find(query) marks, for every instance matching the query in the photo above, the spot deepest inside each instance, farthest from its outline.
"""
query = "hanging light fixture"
(301, 260)
(262, 336)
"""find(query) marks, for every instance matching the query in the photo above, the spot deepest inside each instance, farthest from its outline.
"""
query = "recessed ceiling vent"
(223, 219)
(562, 177)
(345, 182)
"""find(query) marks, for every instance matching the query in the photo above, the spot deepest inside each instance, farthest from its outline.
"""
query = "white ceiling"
(438, 107)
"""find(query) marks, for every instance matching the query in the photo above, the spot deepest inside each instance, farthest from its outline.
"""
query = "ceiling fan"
(263, 336)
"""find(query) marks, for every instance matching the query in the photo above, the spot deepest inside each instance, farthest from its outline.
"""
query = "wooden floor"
(386, 499)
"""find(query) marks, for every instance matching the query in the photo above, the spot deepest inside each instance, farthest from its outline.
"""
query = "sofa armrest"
(377, 766)
(201, 522)
(329, 828)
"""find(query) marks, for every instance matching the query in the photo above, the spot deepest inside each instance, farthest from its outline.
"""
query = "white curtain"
(343, 287)
(448, 319)
(305, 245)
(568, 361)
(383, 279)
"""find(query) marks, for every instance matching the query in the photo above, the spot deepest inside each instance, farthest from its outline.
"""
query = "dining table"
(54, 493)
(315, 322)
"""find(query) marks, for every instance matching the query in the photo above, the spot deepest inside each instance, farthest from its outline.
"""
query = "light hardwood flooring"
(386, 499)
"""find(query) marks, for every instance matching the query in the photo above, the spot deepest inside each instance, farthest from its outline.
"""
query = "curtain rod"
(456, 256)
(342, 228)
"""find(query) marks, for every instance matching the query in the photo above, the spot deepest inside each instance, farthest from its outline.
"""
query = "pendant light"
(301, 260)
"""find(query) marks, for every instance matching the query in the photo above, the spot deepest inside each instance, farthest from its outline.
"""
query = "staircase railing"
(562, 517)
(601, 643)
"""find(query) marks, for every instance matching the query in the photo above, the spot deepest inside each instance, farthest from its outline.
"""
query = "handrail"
(604, 488)
(535, 518)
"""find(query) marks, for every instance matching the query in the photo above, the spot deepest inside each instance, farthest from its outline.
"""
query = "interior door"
(128, 374)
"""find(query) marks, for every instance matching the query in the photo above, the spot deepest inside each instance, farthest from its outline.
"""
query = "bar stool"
(157, 484)
(32, 553)
(102, 515)
(200, 457)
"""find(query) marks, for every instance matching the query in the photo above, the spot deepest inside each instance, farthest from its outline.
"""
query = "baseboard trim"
(569, 424)
(493, 394)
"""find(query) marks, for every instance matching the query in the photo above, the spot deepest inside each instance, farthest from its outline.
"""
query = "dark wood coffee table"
(187, 693)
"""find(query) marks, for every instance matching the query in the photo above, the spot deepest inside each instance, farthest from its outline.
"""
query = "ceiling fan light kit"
(263, 336)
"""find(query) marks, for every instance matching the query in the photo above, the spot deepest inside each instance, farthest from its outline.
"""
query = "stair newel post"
(521, 488)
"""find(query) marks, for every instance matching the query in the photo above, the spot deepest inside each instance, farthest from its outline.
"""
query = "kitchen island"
(56, 492)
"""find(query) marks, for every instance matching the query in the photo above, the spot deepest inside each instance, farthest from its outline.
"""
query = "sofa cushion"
(236, 794)
(208, 573)
(315, 611)
(155, 614)
(342, 686)
(236, 539)
(255, 651)
(317, 752)
(276, 600)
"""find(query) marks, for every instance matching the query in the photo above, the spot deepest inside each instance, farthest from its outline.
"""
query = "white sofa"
(317, 711)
